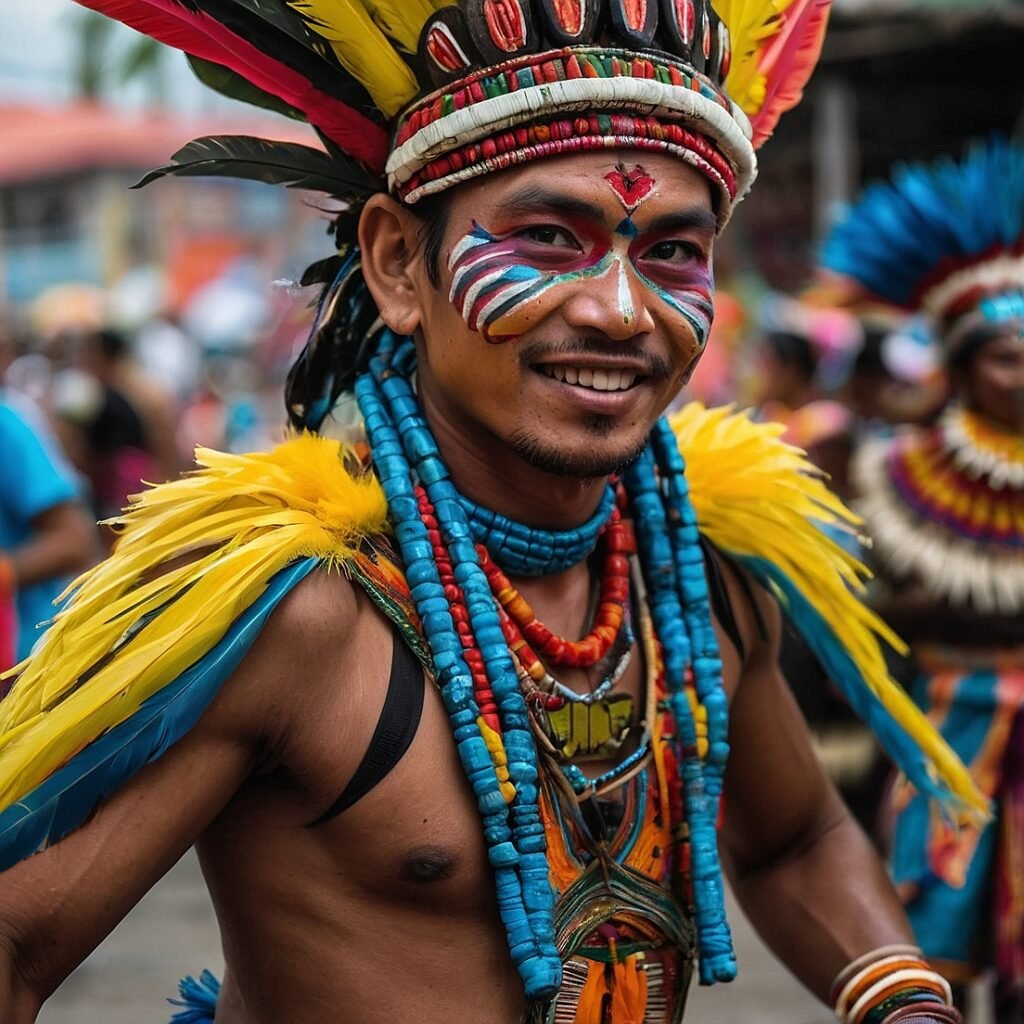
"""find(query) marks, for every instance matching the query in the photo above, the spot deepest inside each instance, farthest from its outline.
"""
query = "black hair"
(793, 350)
(433, 213)
(113, 344)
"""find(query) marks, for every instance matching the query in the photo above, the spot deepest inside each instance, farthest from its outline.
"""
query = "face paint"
(631, 186)
(489, 286)
(496, 282)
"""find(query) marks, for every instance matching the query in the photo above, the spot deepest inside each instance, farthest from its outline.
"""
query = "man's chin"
(602, 457)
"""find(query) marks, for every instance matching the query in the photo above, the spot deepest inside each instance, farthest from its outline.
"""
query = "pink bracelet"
(937, 1014)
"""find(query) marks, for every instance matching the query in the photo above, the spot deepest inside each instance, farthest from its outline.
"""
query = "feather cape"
(144, 643)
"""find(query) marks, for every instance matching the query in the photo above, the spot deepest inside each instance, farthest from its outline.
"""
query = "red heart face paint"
(631, 186)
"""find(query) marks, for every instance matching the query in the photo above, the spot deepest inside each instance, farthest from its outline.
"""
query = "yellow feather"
(242, 518)
(756, 496)
(402, 20)
(751, 24)
(362, 48)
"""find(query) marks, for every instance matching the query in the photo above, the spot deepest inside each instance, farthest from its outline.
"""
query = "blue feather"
(841, 668)
(898, 234)
(66, 799)
(199, 999)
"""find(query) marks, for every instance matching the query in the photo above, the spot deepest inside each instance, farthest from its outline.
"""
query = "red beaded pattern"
(580, 134)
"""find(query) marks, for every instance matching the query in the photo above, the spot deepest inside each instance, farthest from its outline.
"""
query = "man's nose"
(614, 304)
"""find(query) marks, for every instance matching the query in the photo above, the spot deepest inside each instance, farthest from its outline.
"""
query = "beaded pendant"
(589, 732)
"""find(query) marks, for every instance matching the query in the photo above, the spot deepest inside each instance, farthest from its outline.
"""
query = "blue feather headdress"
(945, 238)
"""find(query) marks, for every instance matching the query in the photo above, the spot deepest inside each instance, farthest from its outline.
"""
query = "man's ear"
(392, 257)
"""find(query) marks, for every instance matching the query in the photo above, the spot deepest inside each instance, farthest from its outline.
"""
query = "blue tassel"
(199, 999)
(67, 798)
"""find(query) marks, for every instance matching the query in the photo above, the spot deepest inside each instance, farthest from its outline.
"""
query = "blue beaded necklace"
(525, 551)
(404, 452)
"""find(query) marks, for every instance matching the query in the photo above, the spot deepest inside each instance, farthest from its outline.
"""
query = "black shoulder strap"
(396, 727)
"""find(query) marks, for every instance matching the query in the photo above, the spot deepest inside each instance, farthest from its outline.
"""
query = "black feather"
(275, 163)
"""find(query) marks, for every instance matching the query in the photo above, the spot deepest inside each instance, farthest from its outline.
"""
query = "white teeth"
(596, 380)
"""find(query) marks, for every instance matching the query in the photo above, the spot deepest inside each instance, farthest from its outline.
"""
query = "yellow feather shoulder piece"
(761, 501)
(137, 620)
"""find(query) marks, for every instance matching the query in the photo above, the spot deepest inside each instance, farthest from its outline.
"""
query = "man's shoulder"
(321, 610)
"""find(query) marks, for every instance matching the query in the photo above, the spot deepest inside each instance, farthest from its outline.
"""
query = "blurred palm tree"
(103, 62)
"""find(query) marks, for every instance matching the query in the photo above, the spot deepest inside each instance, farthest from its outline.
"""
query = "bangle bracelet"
(887, 985)
(925, 1014)
(874, 956)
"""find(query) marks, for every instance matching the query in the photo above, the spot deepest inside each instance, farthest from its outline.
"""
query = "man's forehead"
(596, 185)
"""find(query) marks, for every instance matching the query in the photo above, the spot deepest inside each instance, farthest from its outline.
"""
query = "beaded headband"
(419, 95)
(946, 239)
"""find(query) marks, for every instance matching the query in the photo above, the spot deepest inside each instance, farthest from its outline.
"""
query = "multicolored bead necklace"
(466, 631)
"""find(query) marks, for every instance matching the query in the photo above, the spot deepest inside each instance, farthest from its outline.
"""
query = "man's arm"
(63, 543)
(56, 906)
(803, 871)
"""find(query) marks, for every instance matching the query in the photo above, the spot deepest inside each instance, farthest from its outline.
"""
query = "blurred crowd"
(96, 401)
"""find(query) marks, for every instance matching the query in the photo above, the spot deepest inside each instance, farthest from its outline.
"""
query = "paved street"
(172, 932)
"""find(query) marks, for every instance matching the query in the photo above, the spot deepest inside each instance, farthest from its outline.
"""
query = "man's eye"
(547, 234)
(675, 252)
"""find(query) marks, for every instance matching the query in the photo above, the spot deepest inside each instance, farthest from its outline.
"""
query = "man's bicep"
(776, 792)
(57, 905)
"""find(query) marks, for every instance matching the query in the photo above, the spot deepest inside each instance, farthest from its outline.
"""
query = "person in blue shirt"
(45, 533)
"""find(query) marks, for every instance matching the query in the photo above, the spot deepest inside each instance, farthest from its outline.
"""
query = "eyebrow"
(695, 218)
(534, 198)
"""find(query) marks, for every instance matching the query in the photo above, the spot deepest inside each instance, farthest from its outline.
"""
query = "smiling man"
(487, 771)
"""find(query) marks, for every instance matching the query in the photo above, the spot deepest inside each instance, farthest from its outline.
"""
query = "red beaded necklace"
(619, 543)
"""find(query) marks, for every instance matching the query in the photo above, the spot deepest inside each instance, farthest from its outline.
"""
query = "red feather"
(202, 36)
(788, 62)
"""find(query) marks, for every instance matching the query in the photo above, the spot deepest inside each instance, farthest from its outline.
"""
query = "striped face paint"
(504, 285)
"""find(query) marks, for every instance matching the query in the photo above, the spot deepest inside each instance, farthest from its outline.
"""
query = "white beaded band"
(729, 129)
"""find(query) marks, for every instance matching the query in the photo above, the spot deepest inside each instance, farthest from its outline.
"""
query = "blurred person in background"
(945, 508)
(101, 428)
(46, 536)
(799, 361)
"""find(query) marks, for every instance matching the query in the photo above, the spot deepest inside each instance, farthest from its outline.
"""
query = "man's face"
(575, 299)
(995, 381)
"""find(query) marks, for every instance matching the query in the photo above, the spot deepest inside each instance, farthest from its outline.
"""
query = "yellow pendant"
(590, 731)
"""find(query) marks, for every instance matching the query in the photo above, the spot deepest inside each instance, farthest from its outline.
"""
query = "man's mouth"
(593, 378)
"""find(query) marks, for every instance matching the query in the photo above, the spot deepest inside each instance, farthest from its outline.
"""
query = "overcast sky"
(37, 50)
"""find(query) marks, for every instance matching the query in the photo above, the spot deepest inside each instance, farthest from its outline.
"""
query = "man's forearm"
(823, 905)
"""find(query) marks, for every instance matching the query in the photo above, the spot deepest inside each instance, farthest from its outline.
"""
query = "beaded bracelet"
(888, 984)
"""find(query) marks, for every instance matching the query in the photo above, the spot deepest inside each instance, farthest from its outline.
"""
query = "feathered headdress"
(421, 94)
(945, 238)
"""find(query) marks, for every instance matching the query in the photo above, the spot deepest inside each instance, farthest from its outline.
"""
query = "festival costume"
(945, 508)
(602, 918)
